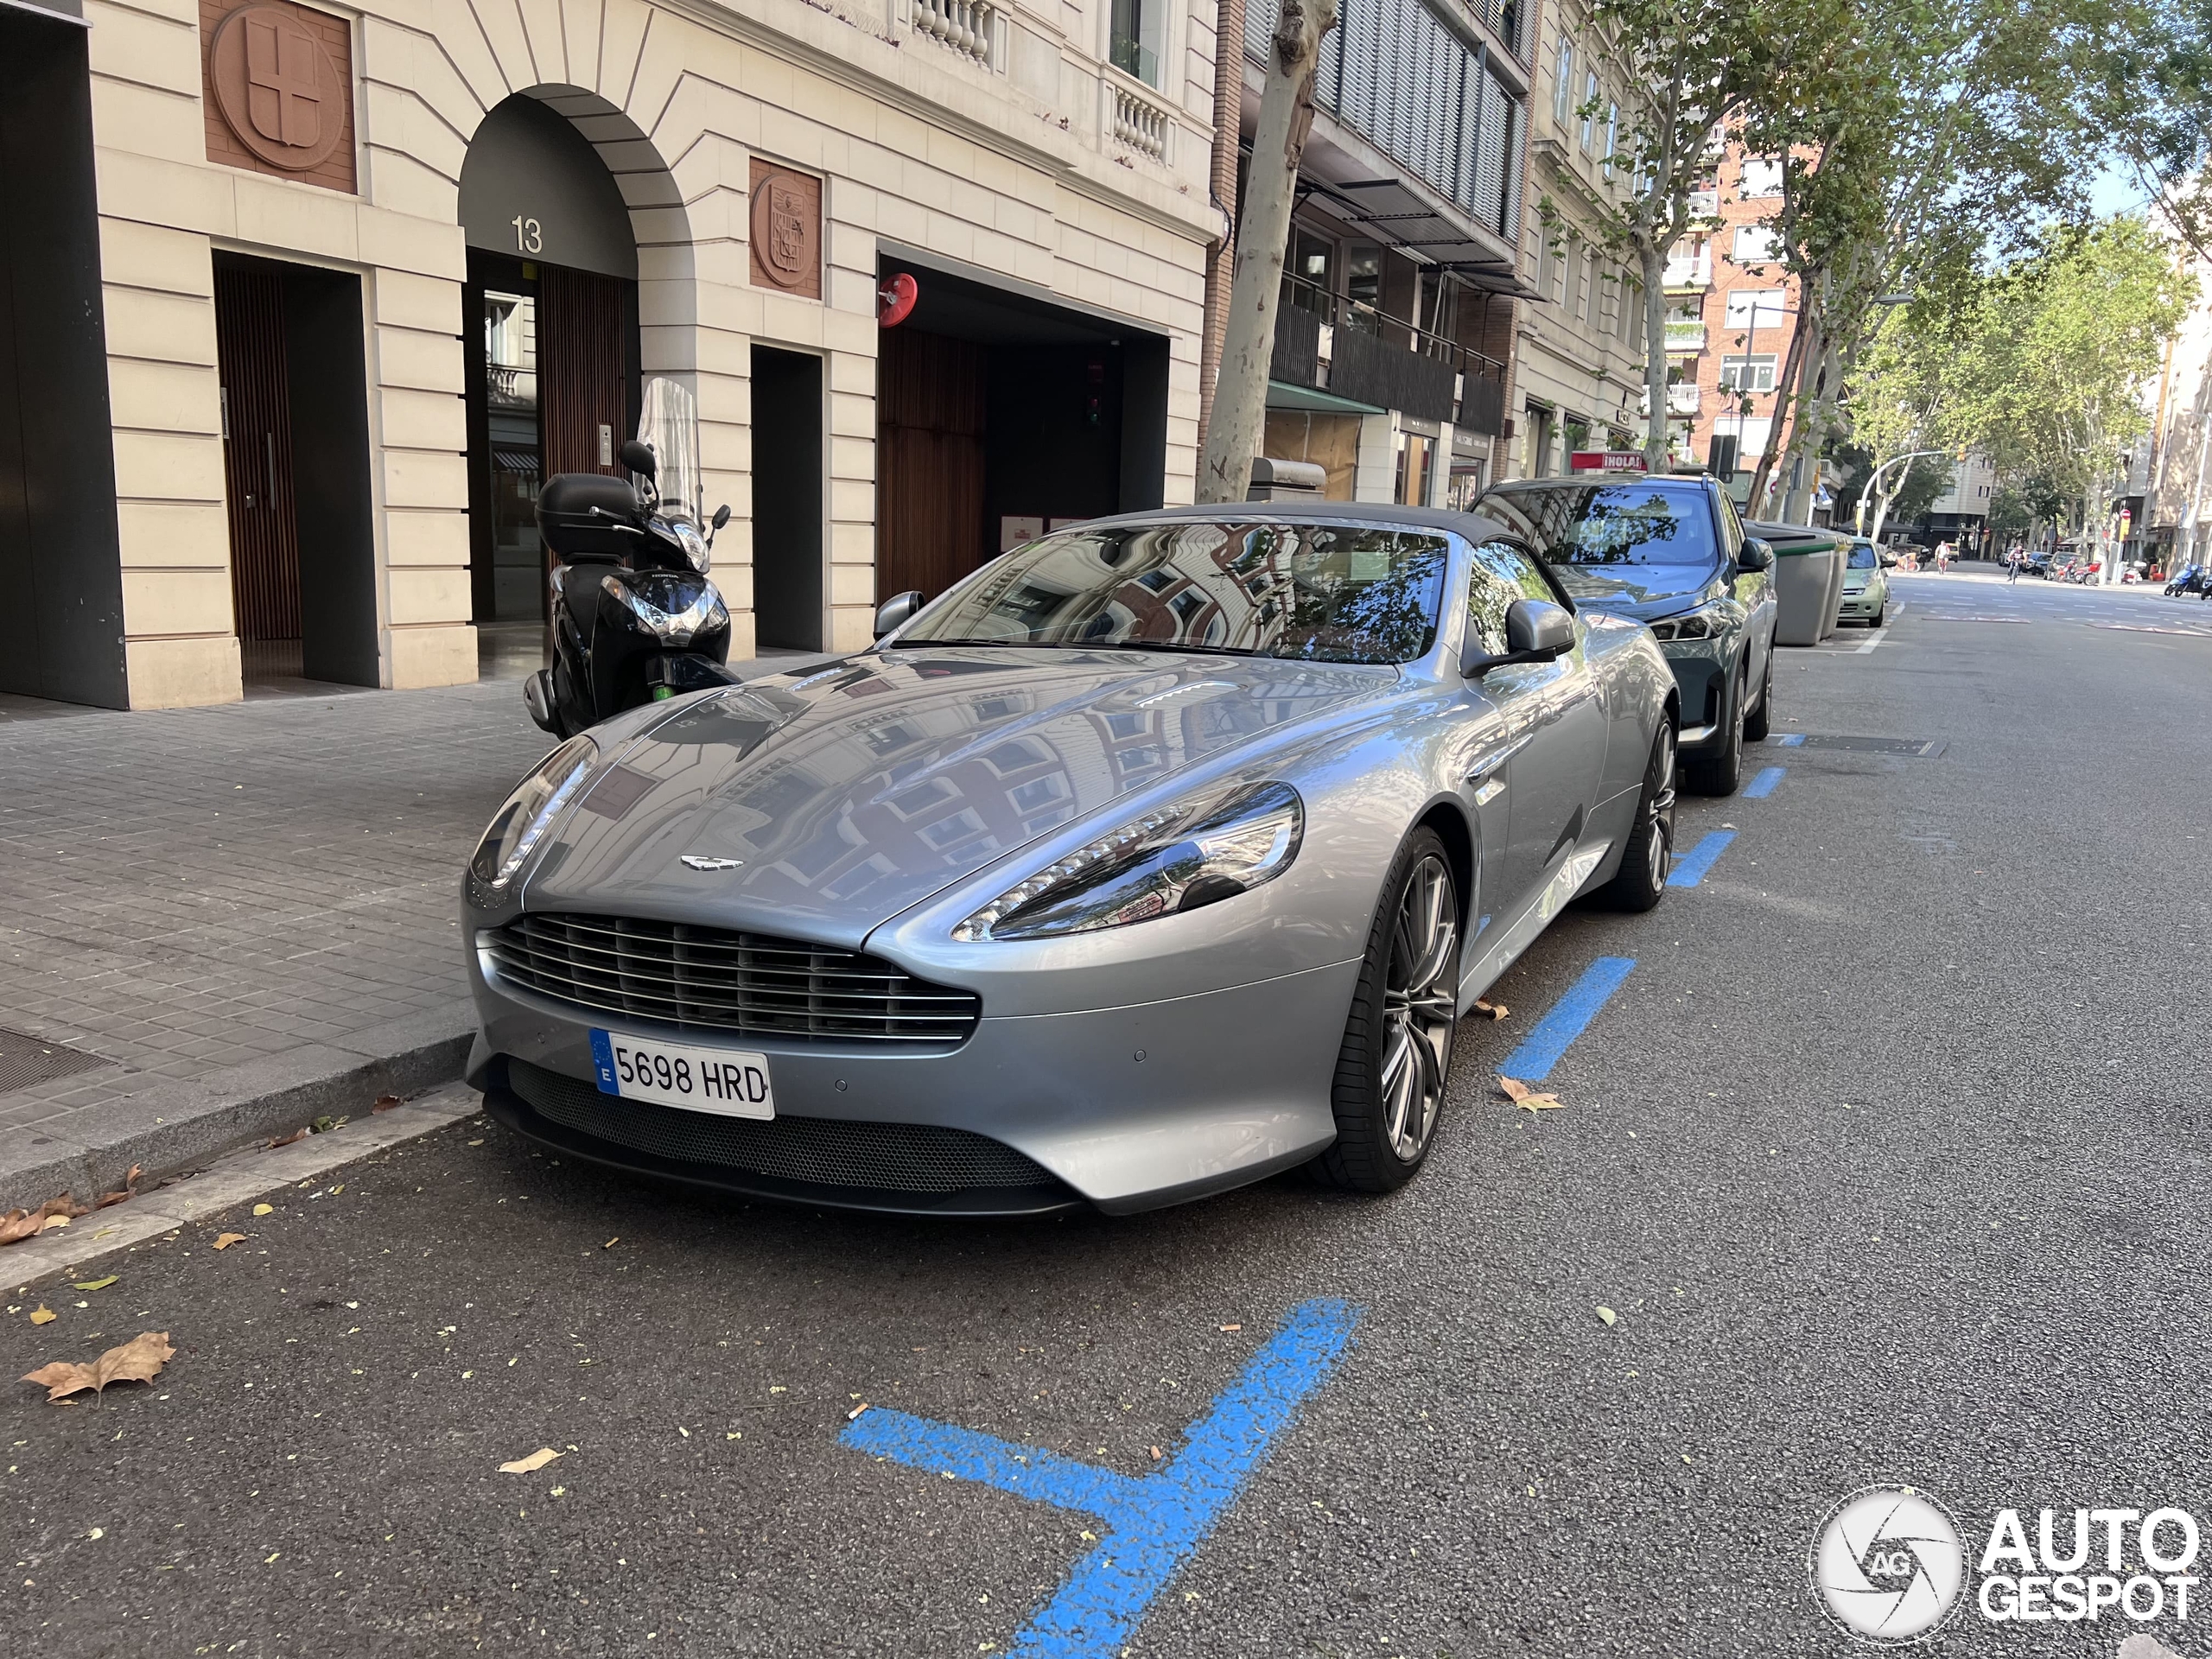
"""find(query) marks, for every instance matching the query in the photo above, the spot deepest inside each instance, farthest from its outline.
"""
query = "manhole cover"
(1925, 748)
(25, 1059)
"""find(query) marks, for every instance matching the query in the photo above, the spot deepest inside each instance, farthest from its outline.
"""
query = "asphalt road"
(1890, 1155)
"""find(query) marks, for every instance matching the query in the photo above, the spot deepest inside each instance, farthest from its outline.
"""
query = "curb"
(166, 1126)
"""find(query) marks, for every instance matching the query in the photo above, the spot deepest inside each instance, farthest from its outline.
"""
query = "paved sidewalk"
(242, 917)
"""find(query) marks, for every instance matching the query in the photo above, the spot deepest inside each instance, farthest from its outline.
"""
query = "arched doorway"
(552, 350)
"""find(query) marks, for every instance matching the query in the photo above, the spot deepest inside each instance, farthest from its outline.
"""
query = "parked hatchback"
(1670, 553)
(1866, 592)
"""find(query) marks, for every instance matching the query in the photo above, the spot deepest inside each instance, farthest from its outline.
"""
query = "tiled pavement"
(249, 911)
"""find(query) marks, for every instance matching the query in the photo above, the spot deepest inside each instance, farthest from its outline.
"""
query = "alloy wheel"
(1658, 826)
(1420, 1008)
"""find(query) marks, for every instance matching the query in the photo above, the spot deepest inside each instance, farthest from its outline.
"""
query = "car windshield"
(1610, 524)
(1330, 592)
(1862, 558)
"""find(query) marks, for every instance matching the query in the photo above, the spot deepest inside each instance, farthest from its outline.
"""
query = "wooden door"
(930, 392)
(583, 387)
(258, 452)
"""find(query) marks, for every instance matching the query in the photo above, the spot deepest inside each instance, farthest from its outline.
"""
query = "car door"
(1554, 721)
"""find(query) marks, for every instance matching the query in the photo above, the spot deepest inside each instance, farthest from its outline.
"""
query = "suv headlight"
(1177, 858)
(1706, 622)
(516, 827)
(703, 615)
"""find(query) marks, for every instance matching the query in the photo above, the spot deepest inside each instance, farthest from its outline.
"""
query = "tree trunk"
(1656, 447)
(1785, 383)
(1240, 401)
(1228, 116)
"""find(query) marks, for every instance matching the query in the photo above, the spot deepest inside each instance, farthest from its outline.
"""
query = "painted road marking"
(1789, 741)
(1763, 786)
(1695, 865)
(1882, 633)
(1156, 1520)
(1540, 1050)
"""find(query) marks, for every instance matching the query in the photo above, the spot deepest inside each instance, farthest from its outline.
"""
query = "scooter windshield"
(669, 428)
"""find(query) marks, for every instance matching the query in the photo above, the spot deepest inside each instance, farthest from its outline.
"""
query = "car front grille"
(709, 978)
(830, 1152)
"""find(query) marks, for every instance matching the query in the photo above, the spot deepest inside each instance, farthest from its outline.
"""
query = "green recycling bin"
(1808, 581)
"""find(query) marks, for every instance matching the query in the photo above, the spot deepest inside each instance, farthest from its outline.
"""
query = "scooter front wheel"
(537, 697)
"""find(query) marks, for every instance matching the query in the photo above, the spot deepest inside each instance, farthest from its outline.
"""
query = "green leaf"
(94, 1284)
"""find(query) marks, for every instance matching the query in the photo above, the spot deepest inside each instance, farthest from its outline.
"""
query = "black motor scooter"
(635, 618)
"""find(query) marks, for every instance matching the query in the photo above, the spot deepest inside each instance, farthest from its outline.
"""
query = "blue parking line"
(1763, 786)
(1789, 741)
(1695, 865)
(1541, 1049)
(1154, 1520)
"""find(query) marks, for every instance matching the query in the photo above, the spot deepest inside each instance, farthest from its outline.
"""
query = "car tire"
(1641, 882)
(1756, 723)
(1875, 620)
(1721, 773)
(1396, 1056)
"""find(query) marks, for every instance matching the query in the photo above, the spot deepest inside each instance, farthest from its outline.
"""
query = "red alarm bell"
(894, 299)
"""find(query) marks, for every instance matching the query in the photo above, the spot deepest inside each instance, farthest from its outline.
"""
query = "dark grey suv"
(1672, 554)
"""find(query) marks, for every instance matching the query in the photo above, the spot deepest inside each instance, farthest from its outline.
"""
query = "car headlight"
(1177, 858)
(516, 827)
(703, 615)
(694, 545)
(1706, 622)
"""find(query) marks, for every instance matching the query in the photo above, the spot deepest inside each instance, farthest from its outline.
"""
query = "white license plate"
(721, 1080)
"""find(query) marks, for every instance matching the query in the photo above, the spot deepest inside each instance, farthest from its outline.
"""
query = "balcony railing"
(508, 387)
(1139, 123)
(1686, 272)
(1447, 380)
(1685, 336)
(971, 28)
(1680, 400)
(1705, 204)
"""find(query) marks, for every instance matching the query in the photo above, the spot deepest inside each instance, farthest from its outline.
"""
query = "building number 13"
(528, 238)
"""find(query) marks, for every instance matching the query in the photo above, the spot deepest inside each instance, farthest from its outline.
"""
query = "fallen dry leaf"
(129, 1190)
(1608, 1315)
(385, 1102)
(43, 1315)
(224, 1241)
(530, 1464)
(1522, 1094)
(287, 1140)
(139, 1360)
(20, 1224)
(92, 1284)
(265, 1209)
(1495, 1010)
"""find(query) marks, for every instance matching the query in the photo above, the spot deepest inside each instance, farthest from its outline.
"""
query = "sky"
(2115, 191)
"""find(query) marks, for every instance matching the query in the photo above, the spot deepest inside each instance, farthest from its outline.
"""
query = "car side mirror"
(1537, 631)
(1755, 555)
(639, 458)
(1889, 561)
(897, 611)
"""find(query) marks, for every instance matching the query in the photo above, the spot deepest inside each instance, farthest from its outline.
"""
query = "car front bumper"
(1123, 1108)
(1860, 602)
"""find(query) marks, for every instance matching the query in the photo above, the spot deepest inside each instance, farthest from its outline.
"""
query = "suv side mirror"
(1537, 631)
(897, 611)
(1755, 555)
(639, 458)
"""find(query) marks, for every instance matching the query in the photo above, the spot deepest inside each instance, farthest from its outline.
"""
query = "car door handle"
(1497, 758)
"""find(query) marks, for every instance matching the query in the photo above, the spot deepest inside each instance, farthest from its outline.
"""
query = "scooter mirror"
(639, 458)
(722, 515)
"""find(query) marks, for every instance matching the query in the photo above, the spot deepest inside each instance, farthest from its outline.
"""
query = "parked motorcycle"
(2189, 579)
(635, 617)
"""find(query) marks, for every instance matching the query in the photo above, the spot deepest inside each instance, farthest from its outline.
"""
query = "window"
(1135, 46)
(1634, 317)
(1755, 244)
(1415, 454)
(1756, 307)
(1761, 178)
(1500, 574)
(1613, 132)
(1593, 285)
(1312, 264)
(1364, 274)
(1589, 112)
(1658, 522)
(1748, 373)
(1563, 86)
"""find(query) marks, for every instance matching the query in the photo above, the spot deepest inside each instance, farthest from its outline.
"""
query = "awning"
(514, 460)
(1283, 395)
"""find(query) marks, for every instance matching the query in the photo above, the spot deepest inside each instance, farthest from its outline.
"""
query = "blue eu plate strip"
(1540, 1050)
(1156, 1521)
(1697, 863)
(1763, 786)
(602, 1061)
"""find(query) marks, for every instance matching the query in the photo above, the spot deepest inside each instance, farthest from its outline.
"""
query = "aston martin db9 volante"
(1156, 857)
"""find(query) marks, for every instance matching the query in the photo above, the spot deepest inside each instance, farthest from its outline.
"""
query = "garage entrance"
(552, 373)
(295, 466)
(1000, 415)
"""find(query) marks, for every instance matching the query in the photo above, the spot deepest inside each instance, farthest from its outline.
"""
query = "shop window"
(1416, 452)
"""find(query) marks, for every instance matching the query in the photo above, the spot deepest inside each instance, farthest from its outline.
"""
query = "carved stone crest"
(786, 230)
(279, 90)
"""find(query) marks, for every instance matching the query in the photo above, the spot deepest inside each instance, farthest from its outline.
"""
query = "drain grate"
(1924, 748)
(25, 1059)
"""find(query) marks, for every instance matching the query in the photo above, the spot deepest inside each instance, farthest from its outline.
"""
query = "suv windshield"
(1609, 523)
(1331, 592)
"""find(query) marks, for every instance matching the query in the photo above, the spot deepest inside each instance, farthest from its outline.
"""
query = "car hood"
(1640, 591)
(850, 793)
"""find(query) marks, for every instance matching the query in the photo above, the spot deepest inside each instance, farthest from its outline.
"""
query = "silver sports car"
(1155, 857)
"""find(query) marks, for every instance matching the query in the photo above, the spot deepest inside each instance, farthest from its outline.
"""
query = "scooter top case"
(578, 514)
